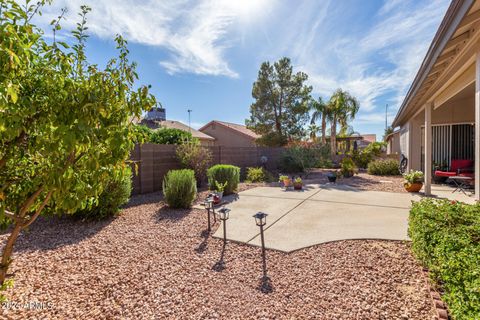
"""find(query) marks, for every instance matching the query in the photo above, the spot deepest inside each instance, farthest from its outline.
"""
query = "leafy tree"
(170, 136)
(389, 130)
(143, 133)
(320, 110)
(343, 108)
(193, 156)
(281, 103)
(65, 124)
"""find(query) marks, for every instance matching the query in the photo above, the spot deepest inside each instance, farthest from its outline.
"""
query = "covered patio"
(439, 119)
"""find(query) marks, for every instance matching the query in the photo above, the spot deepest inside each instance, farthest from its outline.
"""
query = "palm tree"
(320, 110)
(343, 107)
(313, 129)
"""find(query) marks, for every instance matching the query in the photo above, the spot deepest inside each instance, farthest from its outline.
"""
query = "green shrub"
(115, 194)
(361, 159)
(193, 156)
(348, 167)
(384, 167)
(222, 173)
(325, 163)
(299, 159)
(258, 174)
(364, 157)
(170, 136)
(446, 239)
(179, 188)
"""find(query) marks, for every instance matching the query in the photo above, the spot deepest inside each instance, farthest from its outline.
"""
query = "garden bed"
(153, 262)
(362, 181)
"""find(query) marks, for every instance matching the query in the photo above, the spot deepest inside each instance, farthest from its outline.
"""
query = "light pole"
(261, 220)
(189, 121)
(223, 214)
(208, 203)
(386, 125)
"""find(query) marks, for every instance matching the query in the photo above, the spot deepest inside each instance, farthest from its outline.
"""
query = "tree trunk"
(333, 136)
(21, 223)
(324, 128)
(7, 251)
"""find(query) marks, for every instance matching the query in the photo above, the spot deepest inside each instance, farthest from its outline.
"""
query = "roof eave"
(455, 13)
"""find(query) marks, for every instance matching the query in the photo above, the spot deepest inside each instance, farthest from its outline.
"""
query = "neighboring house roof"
(390, 136)
(370, 137)
(449, 25)
(234, 126)
(179, 125)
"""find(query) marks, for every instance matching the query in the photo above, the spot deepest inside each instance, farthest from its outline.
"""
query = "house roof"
(442, 41)
(396, 132)
(234, 126)
(179, 125)
(370, 137)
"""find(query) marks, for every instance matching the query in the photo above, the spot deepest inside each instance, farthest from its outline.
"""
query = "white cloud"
(374, 62)
(195, 33)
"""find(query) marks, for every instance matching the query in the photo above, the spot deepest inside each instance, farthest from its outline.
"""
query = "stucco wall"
(405, 141)
(226, 137)
(458, 111)
(207, 142)
(393, 145)
(416, 143)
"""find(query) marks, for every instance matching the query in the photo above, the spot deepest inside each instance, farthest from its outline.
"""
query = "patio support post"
(428, 149)
(477, 126)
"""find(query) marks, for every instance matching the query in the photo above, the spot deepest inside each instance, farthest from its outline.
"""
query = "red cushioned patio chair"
(458, 167)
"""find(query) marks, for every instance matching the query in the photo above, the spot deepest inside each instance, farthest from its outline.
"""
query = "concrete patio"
(318, 214)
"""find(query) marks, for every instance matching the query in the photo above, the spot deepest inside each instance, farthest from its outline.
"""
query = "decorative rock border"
(439, 306)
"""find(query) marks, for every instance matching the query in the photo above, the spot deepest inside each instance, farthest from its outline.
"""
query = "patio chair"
(458, 167)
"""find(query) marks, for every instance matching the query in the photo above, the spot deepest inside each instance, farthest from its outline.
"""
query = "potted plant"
(348, 167)
(298, 183)
(219, 188)
(413, 181)
(285, 181)
(332, 176)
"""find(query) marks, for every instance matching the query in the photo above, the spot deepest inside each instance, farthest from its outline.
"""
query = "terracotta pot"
(217, 198)
(297, 185)
(287, 183)
(413, 187)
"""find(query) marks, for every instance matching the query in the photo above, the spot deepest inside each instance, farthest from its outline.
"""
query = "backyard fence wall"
(155, 160)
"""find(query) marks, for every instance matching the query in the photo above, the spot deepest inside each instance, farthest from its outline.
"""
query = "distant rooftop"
(235, 126)
(179, 125)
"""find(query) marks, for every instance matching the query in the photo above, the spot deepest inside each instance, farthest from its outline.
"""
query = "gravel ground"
(153, 262)
(362, 181)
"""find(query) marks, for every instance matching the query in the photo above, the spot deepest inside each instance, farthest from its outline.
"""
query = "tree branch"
(14, 217)
(29, 202)
(39, 210)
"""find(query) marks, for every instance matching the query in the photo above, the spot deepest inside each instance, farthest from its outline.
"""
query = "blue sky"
(204, 55)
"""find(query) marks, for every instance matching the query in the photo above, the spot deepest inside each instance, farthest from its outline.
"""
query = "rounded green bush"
(115, 194)
(384, 167)
(179, 188)
(256, 174)
(222, 173)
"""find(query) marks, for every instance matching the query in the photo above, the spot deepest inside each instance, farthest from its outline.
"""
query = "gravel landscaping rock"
(153, 263)
(361, 181)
